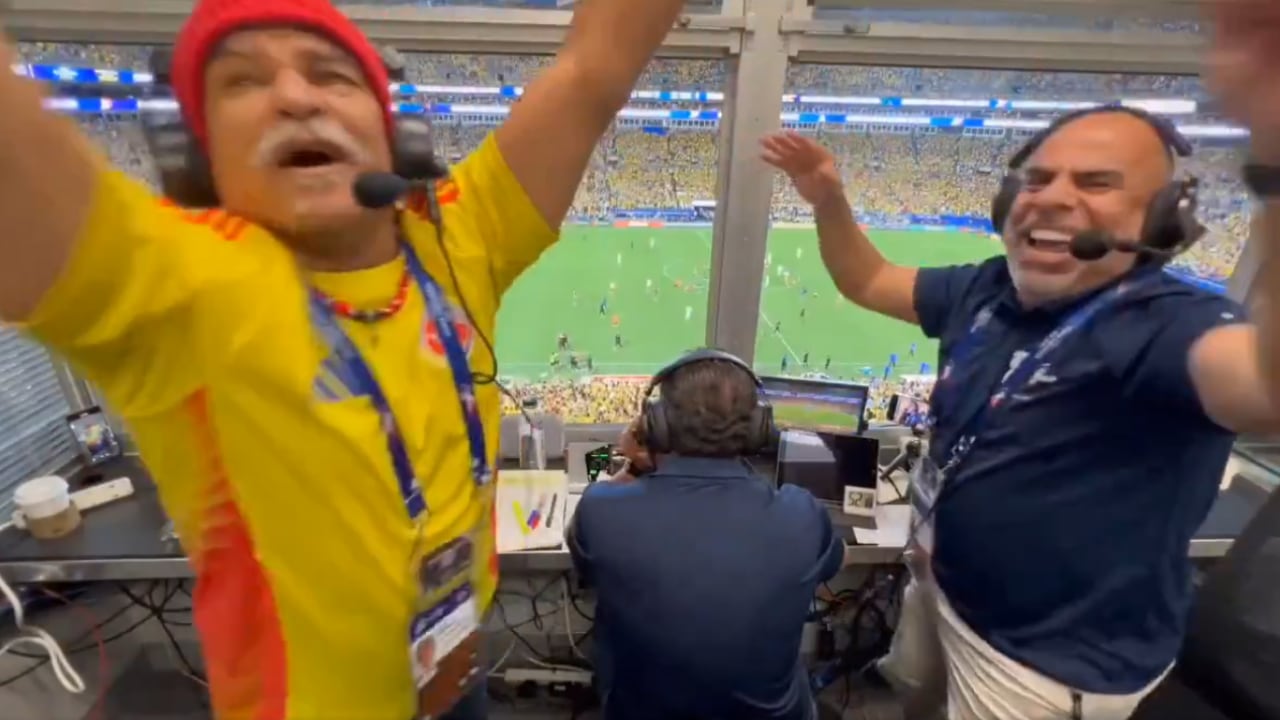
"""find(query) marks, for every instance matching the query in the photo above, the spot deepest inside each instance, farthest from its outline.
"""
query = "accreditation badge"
(444, 634)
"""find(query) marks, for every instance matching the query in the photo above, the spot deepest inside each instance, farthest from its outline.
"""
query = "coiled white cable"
(67, 676)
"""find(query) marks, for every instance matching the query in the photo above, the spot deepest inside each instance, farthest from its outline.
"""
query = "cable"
(63, 670)
(433, 208)
(536, 657)
(573, 600)
(855, 653)
(157, 609)
(568, 620)
(76, 650)
(98, 709)
(479, 378)
(496, 669)
(506, 623)
(176, 647)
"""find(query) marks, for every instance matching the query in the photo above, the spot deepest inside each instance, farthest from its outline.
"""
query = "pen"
(551, 514)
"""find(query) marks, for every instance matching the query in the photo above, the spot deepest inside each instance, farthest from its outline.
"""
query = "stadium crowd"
(613, 399)
(892, 171)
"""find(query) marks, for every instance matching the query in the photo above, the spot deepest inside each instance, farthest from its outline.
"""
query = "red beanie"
(213, 20)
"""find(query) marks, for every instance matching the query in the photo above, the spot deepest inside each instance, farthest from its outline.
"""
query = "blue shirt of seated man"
(1063, 538)
(704, 574)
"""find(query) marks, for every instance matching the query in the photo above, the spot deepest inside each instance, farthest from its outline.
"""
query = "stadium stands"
(892, 173)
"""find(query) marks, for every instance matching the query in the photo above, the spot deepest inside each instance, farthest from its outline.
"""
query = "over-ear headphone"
(656, 429)
(1170, 223)
(185, 177)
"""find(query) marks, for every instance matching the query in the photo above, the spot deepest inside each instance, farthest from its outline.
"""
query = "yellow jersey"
(195, 326)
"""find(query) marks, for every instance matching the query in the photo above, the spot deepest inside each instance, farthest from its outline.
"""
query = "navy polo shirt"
(1062, 539)
(704, 576)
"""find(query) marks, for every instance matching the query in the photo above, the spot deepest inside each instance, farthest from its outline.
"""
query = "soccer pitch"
(806, 415)
(636, 271)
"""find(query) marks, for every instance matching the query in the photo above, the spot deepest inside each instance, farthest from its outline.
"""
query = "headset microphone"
(377, 190)
(1093, 245)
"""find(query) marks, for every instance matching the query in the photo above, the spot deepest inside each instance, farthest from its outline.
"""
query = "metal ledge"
(1145, 9)
(932, 45)
(410, 29)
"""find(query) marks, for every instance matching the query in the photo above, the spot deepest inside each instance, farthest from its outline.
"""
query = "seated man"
(704, 571)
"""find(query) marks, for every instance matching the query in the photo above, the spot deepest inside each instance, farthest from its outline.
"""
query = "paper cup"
(46, 504)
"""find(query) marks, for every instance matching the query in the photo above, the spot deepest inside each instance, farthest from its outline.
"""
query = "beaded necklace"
(341, 308)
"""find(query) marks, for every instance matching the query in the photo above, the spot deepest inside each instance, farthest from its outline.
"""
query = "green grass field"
(636, 271)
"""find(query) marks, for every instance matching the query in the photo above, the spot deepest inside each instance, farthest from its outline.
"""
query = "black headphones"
(186, 179)
(1170, 223)
(656, 430)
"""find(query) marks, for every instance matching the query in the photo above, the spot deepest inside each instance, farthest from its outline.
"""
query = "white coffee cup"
(46, 504)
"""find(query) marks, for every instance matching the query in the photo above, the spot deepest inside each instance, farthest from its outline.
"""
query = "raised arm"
(860, 272)
(47, 174)
(93, 265)
(548, 139)
(1235, 369)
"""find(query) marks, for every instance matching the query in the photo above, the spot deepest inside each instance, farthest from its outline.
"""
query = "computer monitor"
(586, 461)
(840, 470)
(908, 410)
(826, 406)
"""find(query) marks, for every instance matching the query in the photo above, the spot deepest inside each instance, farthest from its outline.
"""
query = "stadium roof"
(699, 34)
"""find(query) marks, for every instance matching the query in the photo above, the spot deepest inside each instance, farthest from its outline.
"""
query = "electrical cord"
(159, 610)
(159, 613)
(535, 619)
(63, 670)
(568, 620)
(573, 600)
(437, 219)
(190, 670)
(111, 618)
(98, 709)
(495, 670)
(536, 656)
(859, 648)
(42, 659)
(480, 378)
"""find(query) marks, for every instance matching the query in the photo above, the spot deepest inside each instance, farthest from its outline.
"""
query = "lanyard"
(1018, 377)
(362, 377)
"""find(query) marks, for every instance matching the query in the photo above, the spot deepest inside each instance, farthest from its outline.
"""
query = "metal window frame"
(1240, 285)
(757, 38)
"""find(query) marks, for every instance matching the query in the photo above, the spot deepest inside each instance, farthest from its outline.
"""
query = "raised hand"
(639, 461)
(1242, 68)
(810, 166)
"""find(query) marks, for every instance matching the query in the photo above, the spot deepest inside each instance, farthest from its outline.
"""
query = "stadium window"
(34, 438)
(625, 290)
(920, 178)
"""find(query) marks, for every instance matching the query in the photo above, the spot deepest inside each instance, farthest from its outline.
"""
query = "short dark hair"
(709, 409)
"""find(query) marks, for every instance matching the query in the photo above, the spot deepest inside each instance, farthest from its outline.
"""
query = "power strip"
(547, 676)
(91, 497)
(102, 493)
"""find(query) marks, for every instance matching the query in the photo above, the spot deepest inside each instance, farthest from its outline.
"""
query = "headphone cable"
(480, 378)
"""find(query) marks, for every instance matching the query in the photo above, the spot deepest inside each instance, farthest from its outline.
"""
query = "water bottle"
(533, 449)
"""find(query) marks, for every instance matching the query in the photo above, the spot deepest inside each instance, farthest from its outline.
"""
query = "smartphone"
(97, 441)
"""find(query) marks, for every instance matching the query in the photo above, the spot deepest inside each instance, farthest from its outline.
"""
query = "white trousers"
(935, 659)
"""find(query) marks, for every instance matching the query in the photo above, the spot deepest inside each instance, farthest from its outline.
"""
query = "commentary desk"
(124, 541)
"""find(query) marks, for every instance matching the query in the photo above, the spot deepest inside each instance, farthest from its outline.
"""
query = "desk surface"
(123, 541)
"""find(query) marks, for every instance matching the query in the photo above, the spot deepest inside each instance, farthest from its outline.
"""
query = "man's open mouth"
(309, 155)
(1049, 240)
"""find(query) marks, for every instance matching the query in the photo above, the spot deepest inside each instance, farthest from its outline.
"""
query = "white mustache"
(292, 131)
